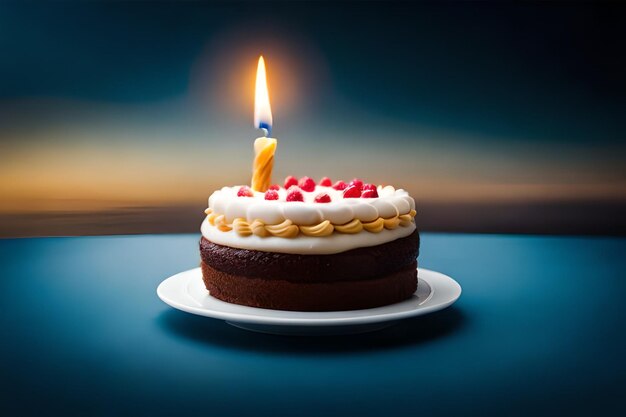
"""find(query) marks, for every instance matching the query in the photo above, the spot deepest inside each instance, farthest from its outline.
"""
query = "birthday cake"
(307, 246)
(310, 246)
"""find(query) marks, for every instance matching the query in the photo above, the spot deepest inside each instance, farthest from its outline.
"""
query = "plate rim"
(435, 280)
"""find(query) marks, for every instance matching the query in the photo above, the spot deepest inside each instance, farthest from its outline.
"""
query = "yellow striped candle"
(264, 147)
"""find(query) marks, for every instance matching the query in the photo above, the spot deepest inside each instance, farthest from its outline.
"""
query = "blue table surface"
(538, 330)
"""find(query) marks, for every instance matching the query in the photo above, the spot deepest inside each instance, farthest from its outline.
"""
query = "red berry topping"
(289, 181)
(295, 194)
(271, 195)
(274, 187)
(340, 185)
(352, 192)
(368, 187)
(322, 198)
(245, 191)
(325, 182)
(307, 184)
(370, 194)
(357, 183)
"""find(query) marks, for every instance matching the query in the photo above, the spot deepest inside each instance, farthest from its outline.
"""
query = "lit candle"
(264, 147)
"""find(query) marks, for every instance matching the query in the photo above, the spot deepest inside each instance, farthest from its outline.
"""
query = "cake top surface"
(305, 217)
(311, 204)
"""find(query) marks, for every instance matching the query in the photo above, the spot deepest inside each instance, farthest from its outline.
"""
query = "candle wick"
(266, 128)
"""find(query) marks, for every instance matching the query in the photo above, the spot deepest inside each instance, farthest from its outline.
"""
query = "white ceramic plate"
(185, 291)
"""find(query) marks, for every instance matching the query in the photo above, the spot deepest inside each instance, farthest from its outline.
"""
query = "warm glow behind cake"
(310, 247)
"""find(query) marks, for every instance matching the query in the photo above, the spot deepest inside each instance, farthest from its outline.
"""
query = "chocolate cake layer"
(353, 265)
(312, 296)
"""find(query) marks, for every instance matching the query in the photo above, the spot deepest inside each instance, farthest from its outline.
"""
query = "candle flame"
(262, 108)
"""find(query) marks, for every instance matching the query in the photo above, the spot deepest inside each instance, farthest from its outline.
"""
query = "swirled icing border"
(390, 203)
(287, 229)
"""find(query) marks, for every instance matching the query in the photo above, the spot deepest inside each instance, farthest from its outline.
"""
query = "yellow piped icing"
(287, 229)
(258, 228)
(324, 228)
(211, 216)
(405, 219)
(376, 226)
(242, 227)
(220, 222)
(392, 222)
(352, 227)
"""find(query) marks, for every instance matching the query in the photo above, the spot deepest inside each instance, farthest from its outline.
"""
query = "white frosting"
(301, 213)
(262, 212)
(301, 244)
(390, 203)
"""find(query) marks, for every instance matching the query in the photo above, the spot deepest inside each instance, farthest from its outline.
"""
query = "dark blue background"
(517, 71)
(538, 330)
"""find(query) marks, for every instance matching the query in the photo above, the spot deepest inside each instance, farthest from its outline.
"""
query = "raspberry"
(245, 191)
(322, 198)
(294, 194)
(357, 183)
(325, 182)
(352, 192)
(340, 185)
(307, 184)
(289, 181)
(271, 195)
(370, 194)
(369, 187)
(274, 187)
